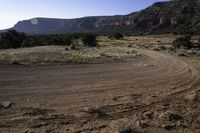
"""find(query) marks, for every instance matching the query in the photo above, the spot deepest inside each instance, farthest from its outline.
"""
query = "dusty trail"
(71, 88)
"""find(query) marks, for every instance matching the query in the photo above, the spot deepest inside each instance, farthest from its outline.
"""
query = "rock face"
(159, 18)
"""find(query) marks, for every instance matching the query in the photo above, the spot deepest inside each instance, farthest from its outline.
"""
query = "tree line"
(14, 39)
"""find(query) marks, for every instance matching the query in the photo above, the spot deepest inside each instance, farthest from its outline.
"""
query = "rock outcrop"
(160, 17)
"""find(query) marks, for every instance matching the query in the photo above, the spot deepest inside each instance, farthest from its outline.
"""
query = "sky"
(12, 11)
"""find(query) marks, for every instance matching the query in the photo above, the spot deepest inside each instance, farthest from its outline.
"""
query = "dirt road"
(66, 91)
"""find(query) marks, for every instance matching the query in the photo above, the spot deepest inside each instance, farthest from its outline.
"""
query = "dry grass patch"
(123, 126)
(95, 110)
(192, 96)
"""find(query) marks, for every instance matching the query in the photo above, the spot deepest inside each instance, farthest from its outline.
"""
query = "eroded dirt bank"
(148, 93)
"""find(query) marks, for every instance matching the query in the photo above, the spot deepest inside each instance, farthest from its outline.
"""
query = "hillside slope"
(161, 17)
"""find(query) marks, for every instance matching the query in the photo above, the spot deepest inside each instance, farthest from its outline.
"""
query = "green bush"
(11, 39)
(14, 39)
(184, 41)
(28, 42)
(116, 35)
(89, 40)
(59, 39)
(54, 39)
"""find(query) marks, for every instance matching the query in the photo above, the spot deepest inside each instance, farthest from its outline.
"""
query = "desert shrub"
(60, 39)
(116, 35)
(192, 96)
(130, 45)
(54, 39)
(75, 44)
(14, 39)
(171, 48)
(184, 41)
(184, 30)
(68, 41)
(122, 126)
(162, 47)
(198, 43)
(95, 110)
(11, 39)
(28, 42)
(89, 40)
(67, 48)
(77, 35)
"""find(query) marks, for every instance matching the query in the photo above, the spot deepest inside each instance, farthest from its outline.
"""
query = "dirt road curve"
(72, 88)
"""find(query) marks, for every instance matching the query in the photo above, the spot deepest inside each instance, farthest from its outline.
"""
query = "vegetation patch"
(123, 126)
(184, 41)
(11, 39)
(14, 39)
(84, 55)
(192, 96)
(116, 35)
(89, 40)
(58, 54)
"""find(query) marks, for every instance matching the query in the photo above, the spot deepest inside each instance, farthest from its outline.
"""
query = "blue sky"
(12, 11)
